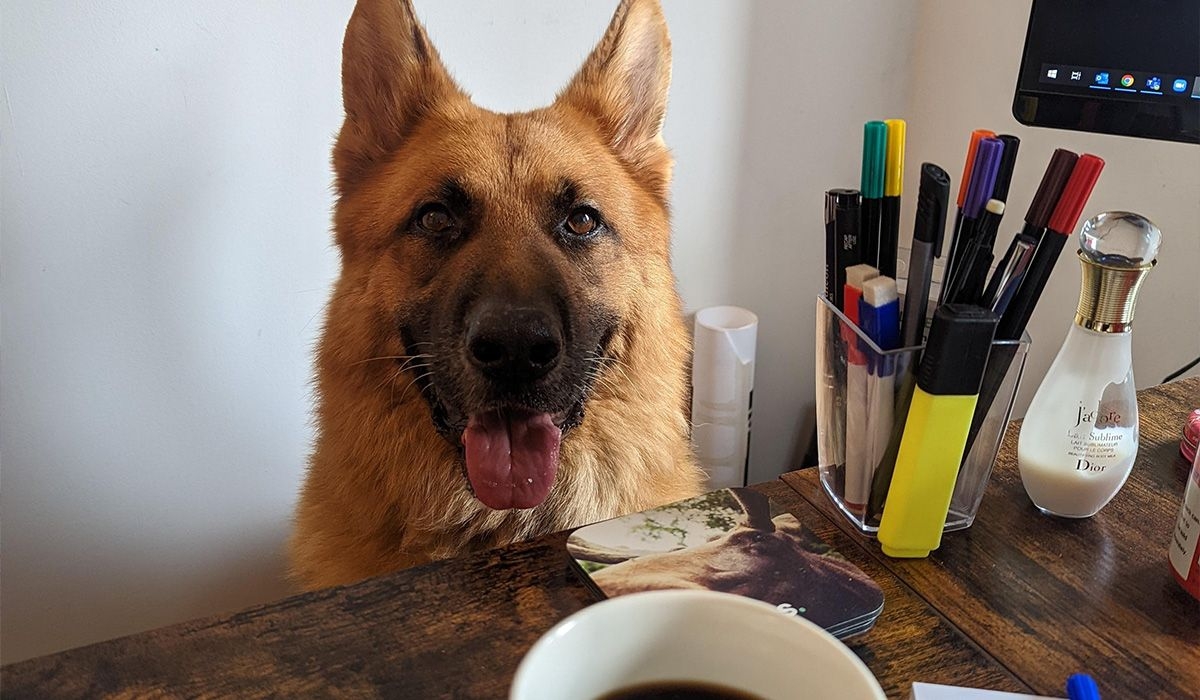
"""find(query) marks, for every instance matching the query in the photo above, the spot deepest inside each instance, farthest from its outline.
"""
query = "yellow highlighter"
(935, 433)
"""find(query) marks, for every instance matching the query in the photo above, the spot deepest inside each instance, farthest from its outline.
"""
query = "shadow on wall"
(136, 594)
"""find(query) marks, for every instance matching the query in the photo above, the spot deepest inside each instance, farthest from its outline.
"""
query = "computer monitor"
(1127, 67)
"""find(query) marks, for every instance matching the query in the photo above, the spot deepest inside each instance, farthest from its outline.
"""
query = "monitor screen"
(1113, 66)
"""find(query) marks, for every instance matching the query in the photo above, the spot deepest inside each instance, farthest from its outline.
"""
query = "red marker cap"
(1075, 195)
(1051, 188)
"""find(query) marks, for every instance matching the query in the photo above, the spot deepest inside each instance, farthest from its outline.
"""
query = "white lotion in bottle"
(1079, 437)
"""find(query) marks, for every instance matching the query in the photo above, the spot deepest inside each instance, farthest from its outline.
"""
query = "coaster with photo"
(734, 540)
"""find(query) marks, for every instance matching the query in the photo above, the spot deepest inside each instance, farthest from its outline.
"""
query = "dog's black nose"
(513, 344)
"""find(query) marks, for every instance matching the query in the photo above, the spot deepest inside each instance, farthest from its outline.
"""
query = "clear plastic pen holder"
(855, 425)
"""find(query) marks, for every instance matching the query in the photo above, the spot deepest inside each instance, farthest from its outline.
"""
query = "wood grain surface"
(1050, 596)
(454, 629)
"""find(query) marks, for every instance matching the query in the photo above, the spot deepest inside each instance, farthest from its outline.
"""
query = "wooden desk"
(452, 629)
(1048, 597)
(1017, 602)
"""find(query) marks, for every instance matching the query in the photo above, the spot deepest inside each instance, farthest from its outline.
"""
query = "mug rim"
(634, 600)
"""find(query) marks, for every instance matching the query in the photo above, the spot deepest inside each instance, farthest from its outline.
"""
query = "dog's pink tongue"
(511, 457)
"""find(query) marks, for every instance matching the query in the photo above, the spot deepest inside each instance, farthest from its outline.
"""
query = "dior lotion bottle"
(1080, 435)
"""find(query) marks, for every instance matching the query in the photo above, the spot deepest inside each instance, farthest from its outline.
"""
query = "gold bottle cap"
(1108, 295)
(1117, 249)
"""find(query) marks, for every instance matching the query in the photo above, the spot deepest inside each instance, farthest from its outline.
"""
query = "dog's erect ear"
(391, 78)
(623, 86)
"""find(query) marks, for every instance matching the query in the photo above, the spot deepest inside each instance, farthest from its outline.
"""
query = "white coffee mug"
(690, 636)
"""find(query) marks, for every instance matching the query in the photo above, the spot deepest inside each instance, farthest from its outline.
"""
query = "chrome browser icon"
(1126, 80)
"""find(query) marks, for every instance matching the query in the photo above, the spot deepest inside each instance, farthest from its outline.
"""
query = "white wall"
(964, 71)
(814, 72)
(165, 251)
(166, 257)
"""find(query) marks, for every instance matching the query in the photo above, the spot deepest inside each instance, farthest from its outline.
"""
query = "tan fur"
(384, 489)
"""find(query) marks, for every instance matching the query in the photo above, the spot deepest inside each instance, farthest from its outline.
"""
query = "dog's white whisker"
(613, 360)
(609, 383)
(620, 371)
(407, 367)
(602, 379)
(389, 378)
(414, 381)
(389, 357)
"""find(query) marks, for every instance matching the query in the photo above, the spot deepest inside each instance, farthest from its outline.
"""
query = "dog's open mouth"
(510, 447)
(511, 456)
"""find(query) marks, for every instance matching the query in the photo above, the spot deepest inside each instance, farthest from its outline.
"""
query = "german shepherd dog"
(504, 353)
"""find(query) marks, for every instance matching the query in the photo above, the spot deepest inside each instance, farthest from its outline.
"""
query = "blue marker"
(1080, 686)
(879, 316)
(879, 312)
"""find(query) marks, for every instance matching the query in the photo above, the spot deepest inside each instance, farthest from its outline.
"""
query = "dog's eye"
(583, 221)
(435, 218)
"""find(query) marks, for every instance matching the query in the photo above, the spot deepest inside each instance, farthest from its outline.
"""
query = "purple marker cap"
(983, 176)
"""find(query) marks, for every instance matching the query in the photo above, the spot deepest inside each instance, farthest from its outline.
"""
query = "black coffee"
(679, 690)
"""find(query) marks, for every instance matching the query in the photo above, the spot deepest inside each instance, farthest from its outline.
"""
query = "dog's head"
(496, 259)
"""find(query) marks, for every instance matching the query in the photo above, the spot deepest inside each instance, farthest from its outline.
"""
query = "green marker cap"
(874, 162)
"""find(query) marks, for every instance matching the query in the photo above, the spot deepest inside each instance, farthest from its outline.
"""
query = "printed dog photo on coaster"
(733, 540)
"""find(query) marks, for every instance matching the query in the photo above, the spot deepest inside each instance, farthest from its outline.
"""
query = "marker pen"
(1067, 210)
(935, 433)
(968, 284)
(928, 230)
(893, 188)
(842, 241)
(1060, 198)
(1008, 164)
(1081, 686)
(879, 310)
(983, 179)
(1009, 273)
(874, 166)
(976, 136)
(856, 277)
(1054, 179)
(857, 435)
